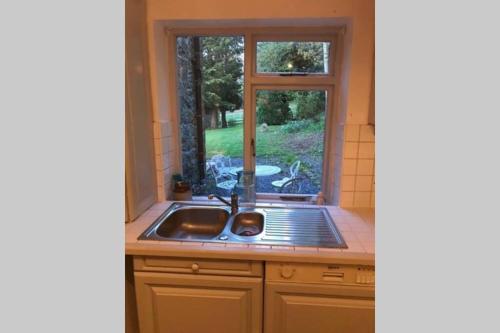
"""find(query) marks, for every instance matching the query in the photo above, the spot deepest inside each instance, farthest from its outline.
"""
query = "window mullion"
(248, 113)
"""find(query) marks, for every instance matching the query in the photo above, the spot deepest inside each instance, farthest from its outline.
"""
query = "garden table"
(260, 170)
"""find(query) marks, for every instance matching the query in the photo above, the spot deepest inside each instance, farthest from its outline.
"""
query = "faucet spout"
(233, 204)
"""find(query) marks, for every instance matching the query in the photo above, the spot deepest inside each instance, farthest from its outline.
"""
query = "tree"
(306, 57)
(282, 57)
(273, 107)
(222, 70)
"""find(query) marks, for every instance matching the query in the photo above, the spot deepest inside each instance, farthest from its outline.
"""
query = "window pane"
(293, 57)
(210, 99)
(289, 141)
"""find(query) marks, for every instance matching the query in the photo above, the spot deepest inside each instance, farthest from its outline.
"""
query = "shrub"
(310, 104)
(273, 107)
(295, 126)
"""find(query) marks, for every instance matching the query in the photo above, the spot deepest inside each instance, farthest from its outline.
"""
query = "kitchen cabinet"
(201, 296)
(140, 175)
(214, 295)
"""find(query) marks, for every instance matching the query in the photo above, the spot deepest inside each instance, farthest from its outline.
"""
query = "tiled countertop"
(357, 226)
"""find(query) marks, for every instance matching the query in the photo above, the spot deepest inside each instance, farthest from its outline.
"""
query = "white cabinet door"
(300, 308)
(186, 303)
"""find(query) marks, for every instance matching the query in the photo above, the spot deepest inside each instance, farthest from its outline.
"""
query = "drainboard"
(300, 227)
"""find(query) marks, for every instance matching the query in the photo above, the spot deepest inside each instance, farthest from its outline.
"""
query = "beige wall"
(360, 12)
(357, 68)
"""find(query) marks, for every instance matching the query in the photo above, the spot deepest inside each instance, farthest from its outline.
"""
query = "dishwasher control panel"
(321, 273)
(365, 275)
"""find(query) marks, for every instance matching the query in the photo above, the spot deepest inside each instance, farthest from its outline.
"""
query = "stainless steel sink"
(248, 224)
(193, 223)
(252, 225)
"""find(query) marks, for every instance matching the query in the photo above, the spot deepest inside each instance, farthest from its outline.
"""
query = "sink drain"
(249, 231)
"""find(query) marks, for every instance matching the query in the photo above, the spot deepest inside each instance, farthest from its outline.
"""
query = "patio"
(263, 182)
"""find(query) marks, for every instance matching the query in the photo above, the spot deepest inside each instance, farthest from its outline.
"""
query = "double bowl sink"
(250, 225)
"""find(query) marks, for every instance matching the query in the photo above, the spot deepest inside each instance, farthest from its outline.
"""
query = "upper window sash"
(327, 78)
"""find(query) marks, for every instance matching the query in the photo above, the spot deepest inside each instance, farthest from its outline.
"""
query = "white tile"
(351, 133)
(162, 193)
(157, 146)
(346, 199)
(349, 166)
(363, 183)
(171, 243)
(280, 247)
(159, 177)
(165, 143)
(351, 150)
(367, 134)
(148, 242)
(165, 159)
(328, 250)
(158, 162)
(156, 130)
(369, 247)
(362, 199)
(365, 236)
(338, 211)
(362, 227)
(236, 245)
(366, 150)
(354, 246)
(343, 226)
(166, 129)
(197, 244)
(306, 249)
(259, 246)
(349, 236)
(365, 167)
(347, 183)
(208, 244)
(153, 213)
(349, 219)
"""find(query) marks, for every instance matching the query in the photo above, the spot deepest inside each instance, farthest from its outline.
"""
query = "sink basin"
(248, 224)
(193, 223)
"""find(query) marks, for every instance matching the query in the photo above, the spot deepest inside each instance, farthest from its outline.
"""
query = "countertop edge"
(291, 254)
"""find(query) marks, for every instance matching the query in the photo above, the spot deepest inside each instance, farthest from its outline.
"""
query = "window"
(292, 57)
(255, 101)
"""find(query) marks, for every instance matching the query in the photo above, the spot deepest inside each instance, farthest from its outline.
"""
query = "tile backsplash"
(357, 183)
(164, 156)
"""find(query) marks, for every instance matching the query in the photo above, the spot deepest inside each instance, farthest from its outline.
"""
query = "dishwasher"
(319, 298)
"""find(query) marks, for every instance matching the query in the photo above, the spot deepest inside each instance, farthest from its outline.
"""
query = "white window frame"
(254, 81)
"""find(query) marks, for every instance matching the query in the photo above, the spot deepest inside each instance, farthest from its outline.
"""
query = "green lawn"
(270, 142)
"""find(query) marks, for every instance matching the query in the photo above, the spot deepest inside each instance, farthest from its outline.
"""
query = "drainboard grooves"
(302, 226)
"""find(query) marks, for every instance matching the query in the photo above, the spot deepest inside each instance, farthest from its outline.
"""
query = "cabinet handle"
(195, 267)
(287, 272)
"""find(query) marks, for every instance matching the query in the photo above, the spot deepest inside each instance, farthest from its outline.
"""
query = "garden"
(289, 123)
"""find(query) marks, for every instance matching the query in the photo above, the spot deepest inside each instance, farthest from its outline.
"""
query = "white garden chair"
(222, 180)
(287, 181)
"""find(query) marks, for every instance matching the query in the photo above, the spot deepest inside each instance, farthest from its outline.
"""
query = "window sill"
(268, 199)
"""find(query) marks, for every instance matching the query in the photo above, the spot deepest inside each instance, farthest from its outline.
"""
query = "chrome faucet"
(233, 204)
